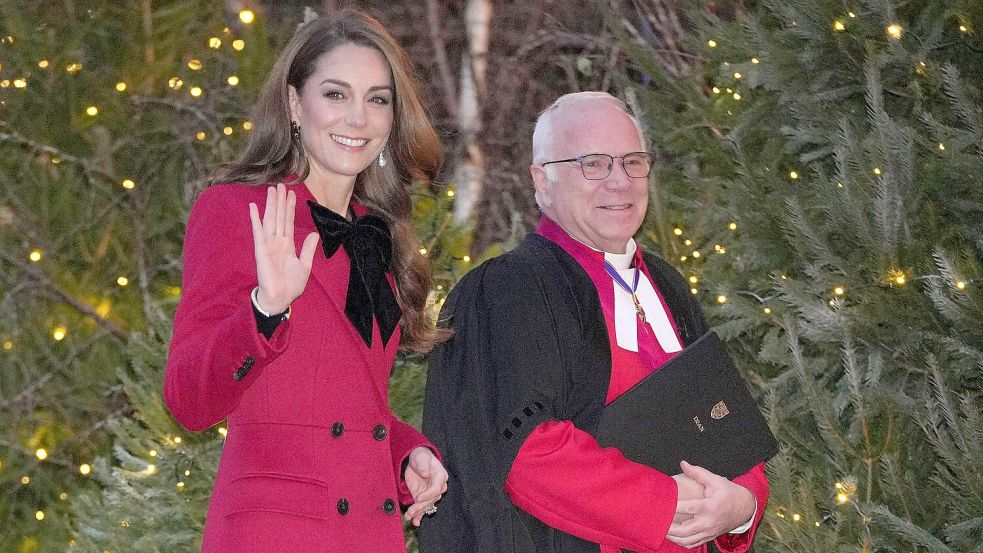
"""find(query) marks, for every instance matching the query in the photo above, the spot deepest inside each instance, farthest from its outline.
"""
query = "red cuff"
(757, 483)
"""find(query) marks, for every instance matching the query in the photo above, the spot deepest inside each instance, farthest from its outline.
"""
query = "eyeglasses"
(598, 166)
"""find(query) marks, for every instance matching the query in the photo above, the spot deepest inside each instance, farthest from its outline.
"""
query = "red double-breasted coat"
(313, 453)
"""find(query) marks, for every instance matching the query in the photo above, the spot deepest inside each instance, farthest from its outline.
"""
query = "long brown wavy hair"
(414, 152)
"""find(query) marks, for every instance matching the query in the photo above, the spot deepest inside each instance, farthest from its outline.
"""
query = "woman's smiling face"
(345, 112)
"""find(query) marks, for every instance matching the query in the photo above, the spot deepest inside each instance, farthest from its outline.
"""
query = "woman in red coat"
(295, 350)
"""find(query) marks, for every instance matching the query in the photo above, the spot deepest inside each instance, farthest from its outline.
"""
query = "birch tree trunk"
(470, 173)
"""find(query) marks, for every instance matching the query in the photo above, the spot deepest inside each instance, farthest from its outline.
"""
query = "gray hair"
(542, 134)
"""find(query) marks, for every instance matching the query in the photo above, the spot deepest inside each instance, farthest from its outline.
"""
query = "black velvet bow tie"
(369, 246)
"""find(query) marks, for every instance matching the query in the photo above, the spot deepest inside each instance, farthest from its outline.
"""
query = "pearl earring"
(382, 160)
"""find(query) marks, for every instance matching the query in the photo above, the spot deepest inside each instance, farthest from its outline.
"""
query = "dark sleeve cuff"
(267, 325)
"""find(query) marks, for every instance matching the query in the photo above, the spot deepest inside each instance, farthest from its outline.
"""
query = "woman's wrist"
(262, 305)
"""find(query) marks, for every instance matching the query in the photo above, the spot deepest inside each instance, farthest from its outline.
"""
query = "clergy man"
(548, 334)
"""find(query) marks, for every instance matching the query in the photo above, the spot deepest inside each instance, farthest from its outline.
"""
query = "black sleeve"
(267, 325)
(488, 387)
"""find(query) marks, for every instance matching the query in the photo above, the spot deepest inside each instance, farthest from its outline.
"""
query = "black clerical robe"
(530, 345)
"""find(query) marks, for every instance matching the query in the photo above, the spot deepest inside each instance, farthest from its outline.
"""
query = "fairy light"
(200, 135)
(694, 291)
(39, 515)
(214, 43)
(877, 170)
(737, 75)
(839, 290)
(677, 231)
(5, 83)
(85, 469)
(121, 86)
(238, 44)
(683, 258)
(73, 68)
(247, 125)
(466, 259)
(35, 256)
(195, 91)
(894, 31)
(43, 64)
(696, 254)
(92, 111)
(247, 16)
(187, 473)
(175, 83)
(797, 517)
(737, 96)
(793, 175)
(232, 80)
(839, 26)
(41, 453)
(688, 242)
(25, 480)
(7, 345)
(177, 439)
(755, 61)
(223, 431)
(151, 469)
(122, 281)
(423, 251)
(693, 279)
(180, 485)
(59, 333)
(128, 184)
(450, 192)
(227, 131)
(941, 147)
(767, 310)
(712, 43)
(20, 83)
(852, 15)
(842, 498)
(195, 64)
(961, 285)
(152, 453)
(721, 299)
(963, 29)
(63, 496)
(103, 308)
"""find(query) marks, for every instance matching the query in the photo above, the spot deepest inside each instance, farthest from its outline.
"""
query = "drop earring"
(382, 160)
(294, 130)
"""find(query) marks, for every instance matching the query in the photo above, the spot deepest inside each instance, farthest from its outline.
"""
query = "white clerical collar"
(626, 319)
(617, 260)
(622, 260)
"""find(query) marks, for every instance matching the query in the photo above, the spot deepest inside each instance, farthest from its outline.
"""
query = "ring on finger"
(430, 510)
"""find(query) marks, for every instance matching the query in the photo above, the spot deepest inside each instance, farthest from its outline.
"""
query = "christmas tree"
(819, 187)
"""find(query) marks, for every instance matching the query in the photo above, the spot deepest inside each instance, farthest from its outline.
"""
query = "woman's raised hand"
(281, 273)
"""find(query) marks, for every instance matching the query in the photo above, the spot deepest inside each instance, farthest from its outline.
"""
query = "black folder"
(695, 408)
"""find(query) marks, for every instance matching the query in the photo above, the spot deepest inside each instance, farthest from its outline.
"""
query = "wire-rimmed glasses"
(598, 166)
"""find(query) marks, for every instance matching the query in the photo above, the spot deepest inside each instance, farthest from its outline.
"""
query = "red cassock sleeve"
(216, 352)
(564, 478)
